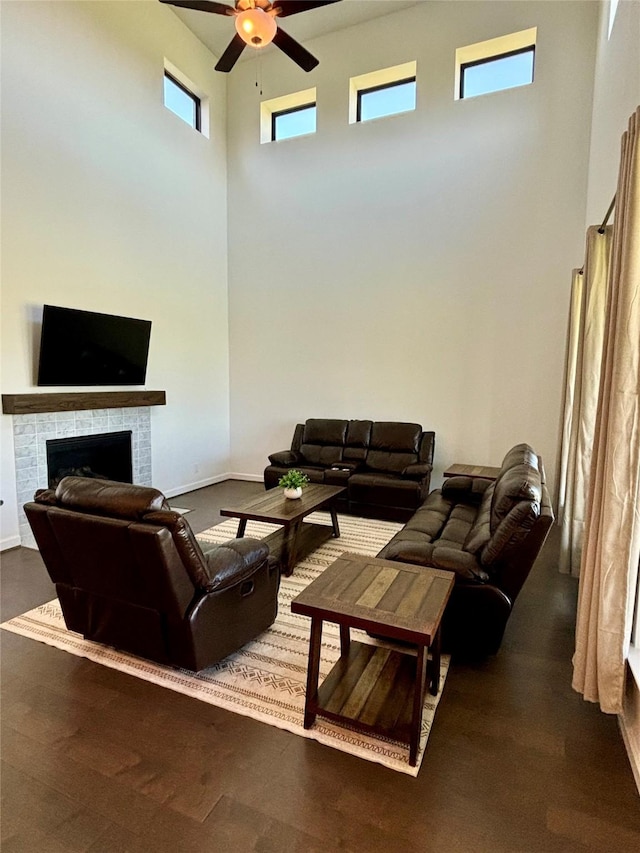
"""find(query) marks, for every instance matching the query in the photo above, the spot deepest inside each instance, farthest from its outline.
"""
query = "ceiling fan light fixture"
(256, 27)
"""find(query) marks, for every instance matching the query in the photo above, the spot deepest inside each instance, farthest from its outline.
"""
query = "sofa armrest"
(465, 488)
(465, 565)
(287, 458)
(417, 471)
(233, 562)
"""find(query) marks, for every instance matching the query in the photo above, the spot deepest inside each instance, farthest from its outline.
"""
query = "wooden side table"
(486, 472)
(372, 688)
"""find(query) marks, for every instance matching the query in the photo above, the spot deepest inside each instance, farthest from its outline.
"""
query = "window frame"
(369, 89)
(496, 58)
(196, 100)
(275, 115)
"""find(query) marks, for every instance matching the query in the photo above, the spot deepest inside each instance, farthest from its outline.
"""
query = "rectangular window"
(496, 64)
(181, 101)
(495, 73)
(295, 121)
(288, 116)
(386, 99)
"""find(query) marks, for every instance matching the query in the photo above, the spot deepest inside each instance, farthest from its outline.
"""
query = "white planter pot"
(293, 493)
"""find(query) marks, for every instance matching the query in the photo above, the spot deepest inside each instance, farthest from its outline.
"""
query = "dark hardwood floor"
(94, 760)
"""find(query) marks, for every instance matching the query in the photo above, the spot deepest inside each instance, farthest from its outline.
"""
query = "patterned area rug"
(266, 679)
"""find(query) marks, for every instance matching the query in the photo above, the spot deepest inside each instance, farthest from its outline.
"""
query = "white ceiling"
(216, 31)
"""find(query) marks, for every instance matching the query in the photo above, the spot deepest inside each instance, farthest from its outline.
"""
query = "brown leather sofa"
(489, 534)
(130, 573)
(385, 465)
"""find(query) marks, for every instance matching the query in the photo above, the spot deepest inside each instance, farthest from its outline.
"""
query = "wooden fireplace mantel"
(31, 404)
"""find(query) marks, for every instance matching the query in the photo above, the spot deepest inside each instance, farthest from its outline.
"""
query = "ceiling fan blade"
(202, 6)
(231, 54)
(292, 7)
(295, 51)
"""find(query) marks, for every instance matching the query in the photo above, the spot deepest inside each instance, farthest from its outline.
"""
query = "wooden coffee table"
(372, 688)
(296, 538)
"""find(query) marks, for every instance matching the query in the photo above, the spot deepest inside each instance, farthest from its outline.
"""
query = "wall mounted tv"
(85, 348)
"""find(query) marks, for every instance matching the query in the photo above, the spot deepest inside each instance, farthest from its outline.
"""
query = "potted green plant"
(293, 482)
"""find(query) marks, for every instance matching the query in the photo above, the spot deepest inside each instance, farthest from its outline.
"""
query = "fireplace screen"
(106, 456)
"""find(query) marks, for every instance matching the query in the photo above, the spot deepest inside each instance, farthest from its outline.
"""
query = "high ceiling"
(216, 31)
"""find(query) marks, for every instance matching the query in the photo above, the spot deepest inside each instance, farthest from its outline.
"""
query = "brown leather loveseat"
(489, 534)
(385, 465)
(130, 573)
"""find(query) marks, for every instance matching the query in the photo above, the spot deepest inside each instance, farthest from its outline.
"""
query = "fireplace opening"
(106, 456)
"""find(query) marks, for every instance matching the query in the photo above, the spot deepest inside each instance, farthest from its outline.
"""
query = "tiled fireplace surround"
(31, 433)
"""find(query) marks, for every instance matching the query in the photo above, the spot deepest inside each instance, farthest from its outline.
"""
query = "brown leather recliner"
(130, 573)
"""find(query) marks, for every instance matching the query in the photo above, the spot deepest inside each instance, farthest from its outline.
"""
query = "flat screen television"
(86, 348)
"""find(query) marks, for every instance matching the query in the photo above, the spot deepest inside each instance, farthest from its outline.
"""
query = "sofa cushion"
(430, 518)
(321, 455)
(357, 441)
(456, 529)
(480, 531)
(324, 431)
(521, 454)
(389, 462)
(519, 483)
(387, 435)
(322, 441)
(383, 490)
(512, 530)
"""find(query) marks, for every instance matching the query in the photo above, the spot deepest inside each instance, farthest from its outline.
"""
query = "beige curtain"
(611, 550)
(582, 384)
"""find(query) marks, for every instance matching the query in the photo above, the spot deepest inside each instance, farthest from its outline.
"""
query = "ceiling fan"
(256, 26)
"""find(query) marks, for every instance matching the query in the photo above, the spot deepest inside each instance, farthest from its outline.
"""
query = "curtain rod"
(603, 226)
(607, 215)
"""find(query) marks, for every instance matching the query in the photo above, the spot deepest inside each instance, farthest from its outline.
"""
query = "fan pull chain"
(259, 72)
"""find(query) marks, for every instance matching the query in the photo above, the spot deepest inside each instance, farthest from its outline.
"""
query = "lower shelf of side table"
(371, 688)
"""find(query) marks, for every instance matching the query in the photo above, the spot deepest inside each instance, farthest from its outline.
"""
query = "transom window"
(288, 116)
(495, 73)
(496, 64)
(384, 92)
(295, 121)
(181, 101)
(386, 99)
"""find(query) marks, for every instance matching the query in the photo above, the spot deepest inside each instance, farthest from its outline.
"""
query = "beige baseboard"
(251, 478)
(9, 542)
(630, 739)
(198, 484)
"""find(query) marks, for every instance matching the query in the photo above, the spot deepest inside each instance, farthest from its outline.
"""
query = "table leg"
(334, 522)
(313, 673)
(345, 639)
(288, 554)
(242, 526)
(418, 701)
(434, 680)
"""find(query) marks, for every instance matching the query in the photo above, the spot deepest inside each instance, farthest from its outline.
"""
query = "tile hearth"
(31, 433)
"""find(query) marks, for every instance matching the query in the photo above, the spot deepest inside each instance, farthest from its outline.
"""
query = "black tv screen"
(86, 348)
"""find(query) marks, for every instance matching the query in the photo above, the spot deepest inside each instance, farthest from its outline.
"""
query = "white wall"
(416, 267)
(111, 203)
(616, 95)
